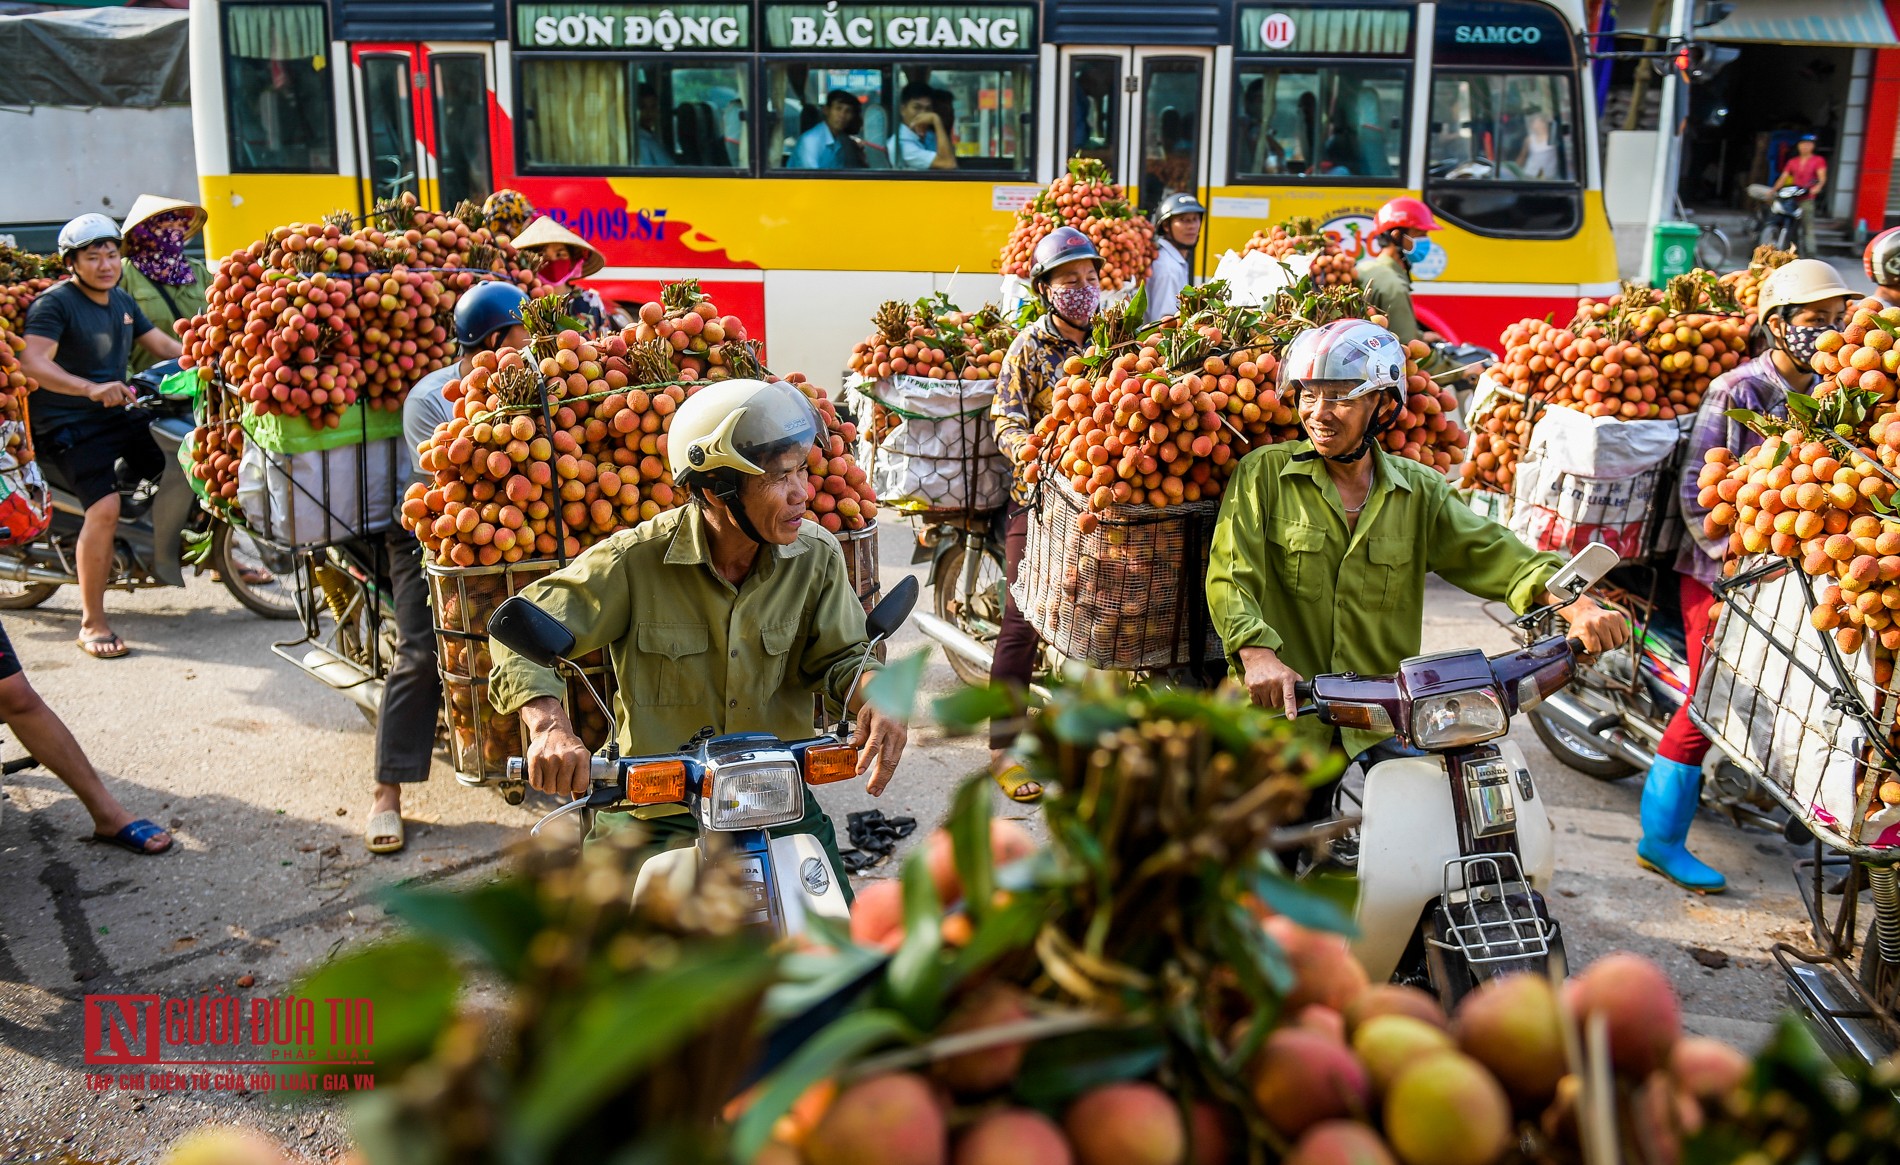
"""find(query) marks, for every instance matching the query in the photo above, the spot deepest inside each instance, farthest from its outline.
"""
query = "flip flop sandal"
(133, 838)
(1012, 779)
(104, 647)
(384, 823)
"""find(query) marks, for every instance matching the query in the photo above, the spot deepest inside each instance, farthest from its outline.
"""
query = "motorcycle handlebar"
(601, 771)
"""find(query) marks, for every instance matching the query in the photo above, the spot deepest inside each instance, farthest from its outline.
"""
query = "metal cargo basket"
(481, 739)
(860, 563)
(1129, 595)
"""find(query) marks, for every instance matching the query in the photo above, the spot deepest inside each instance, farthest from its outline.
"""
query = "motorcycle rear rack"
(1488, 912)
(1825, 987)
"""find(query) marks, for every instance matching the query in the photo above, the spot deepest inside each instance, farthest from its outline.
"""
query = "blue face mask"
(1418, 249)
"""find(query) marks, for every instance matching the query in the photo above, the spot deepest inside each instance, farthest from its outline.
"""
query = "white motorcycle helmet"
(740, 427)
(1346, 352)
(1802, 281)
(86, 230)
(1351, 359)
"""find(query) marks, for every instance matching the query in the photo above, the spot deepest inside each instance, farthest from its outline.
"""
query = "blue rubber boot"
(1670, 793)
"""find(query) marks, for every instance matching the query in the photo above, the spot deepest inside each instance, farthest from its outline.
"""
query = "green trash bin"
(1675, 251)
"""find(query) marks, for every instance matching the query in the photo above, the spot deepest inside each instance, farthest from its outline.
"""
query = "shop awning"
(1839, 23)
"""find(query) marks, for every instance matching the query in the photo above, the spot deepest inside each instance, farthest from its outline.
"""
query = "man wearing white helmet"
(726, 613)
(1800, 302)
(79, 337)
(1322, 546)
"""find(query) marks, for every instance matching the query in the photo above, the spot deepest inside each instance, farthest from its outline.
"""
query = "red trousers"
(1683, 742)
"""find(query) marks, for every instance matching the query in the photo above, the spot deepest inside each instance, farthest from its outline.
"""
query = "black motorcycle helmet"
(485, 309)
(1174, 206)
(1062, 245)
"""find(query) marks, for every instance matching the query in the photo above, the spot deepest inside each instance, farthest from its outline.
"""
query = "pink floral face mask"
(1077, 303)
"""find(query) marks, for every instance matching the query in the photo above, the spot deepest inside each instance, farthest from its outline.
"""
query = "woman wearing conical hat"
(167, 284)
(566, 259)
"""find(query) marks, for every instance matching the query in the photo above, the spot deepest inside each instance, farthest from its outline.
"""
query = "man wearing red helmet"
(1882, 261)
(1399, 233)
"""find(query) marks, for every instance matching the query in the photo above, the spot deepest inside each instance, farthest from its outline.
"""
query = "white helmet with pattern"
(1346, 352)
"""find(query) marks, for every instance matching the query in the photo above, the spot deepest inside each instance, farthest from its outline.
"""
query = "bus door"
(1145, 112)
(422, 121)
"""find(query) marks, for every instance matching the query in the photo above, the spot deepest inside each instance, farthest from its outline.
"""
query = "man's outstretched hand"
(880, 741)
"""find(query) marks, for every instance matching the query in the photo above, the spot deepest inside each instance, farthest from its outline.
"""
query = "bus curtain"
(117, 57)
(577, 113)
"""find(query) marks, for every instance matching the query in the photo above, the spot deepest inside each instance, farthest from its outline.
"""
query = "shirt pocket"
(777, 640)
(1387, 572)
(673, 664)
(1299, 546)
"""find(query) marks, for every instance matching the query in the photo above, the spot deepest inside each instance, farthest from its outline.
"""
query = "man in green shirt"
(1322, 546)
(1401, 234)
(726, 613)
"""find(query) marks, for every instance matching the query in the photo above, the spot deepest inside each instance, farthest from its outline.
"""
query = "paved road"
(263, 777)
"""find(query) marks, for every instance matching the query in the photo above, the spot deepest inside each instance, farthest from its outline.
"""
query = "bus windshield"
(1509, 127)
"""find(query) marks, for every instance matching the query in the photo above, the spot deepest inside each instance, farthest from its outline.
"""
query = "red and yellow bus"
(690, 140)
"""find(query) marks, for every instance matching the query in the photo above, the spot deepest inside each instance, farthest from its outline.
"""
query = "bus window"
(634, 115)
(280, 105)
(1170, 127)
(1094, 109)
(1320, 121)
(1502, 127)
(577, 114)
(985, 108)
(690, 116)
(826, 117)
(388, 130)
(812, 124)
(461, 126)
(1502, 156)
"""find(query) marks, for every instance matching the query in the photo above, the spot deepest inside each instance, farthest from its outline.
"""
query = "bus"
(683, 139)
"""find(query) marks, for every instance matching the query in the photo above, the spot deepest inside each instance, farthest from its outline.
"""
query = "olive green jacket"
(1285, 573)
(189, 299)
(689, 650)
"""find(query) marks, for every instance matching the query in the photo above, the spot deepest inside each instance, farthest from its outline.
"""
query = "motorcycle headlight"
(755, 793)
(1457, 719)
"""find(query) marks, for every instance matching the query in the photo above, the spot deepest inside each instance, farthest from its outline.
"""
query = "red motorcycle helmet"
(1882, 258)
(1407, 214)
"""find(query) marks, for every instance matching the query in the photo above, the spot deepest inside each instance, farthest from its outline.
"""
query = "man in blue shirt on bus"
(922, 141)
(833, 144)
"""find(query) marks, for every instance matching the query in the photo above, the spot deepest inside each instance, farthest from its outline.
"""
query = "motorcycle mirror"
(890, 613)
(1580, 573)
(530, 632)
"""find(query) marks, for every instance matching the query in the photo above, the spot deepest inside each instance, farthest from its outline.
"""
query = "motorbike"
(157, 520)
(1781, 221)
(735, 787)
(1455, 848)
(1608, 722)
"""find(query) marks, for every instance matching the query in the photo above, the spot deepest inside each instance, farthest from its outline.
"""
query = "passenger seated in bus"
(1537, 158)
(652, 150)
(833, 144)
(1371, 133)
(922, 141)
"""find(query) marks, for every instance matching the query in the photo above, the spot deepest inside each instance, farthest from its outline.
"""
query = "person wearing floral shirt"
(1067, 277)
